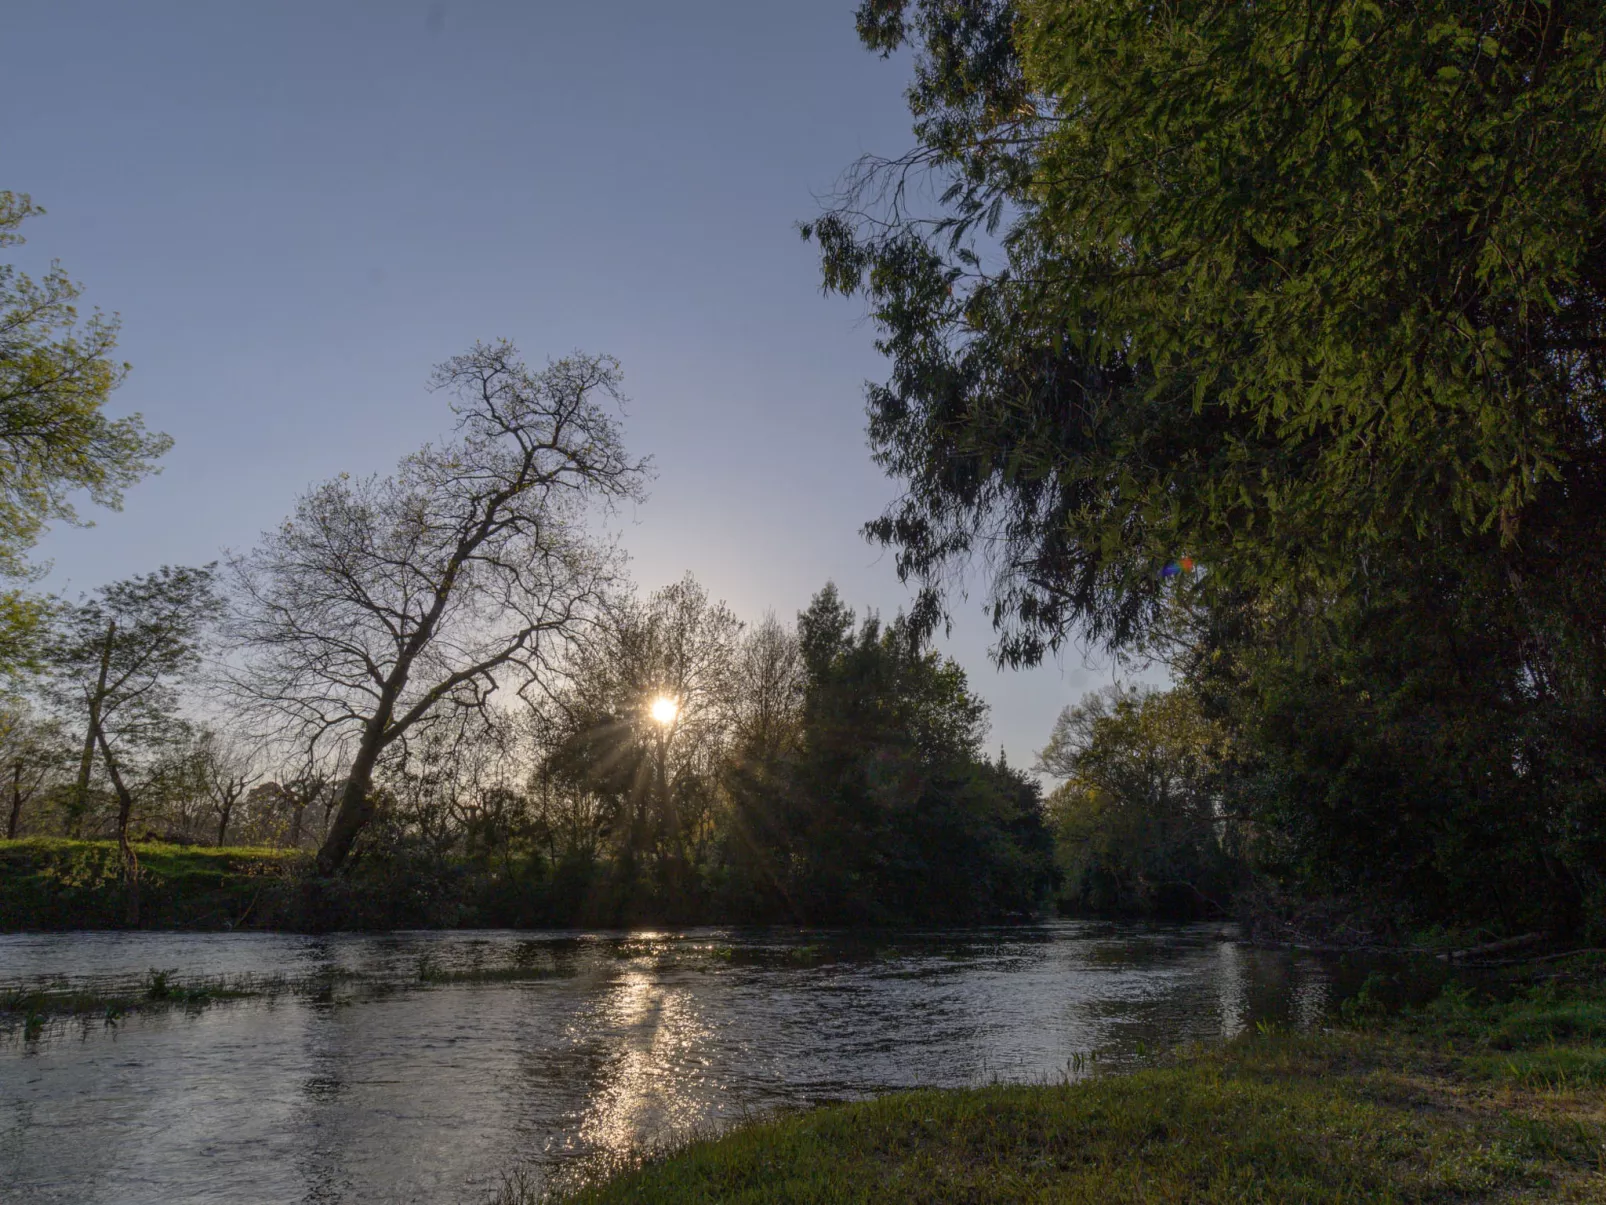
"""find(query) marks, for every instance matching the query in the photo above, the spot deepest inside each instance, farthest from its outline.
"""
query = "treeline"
(1268, 344)
(684, 767)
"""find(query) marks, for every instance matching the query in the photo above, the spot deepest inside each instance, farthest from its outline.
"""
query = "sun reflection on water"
(651, 1086)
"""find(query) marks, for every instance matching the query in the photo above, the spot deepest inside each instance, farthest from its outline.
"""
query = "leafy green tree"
(890, 812)
(1314, 294)
(117, 662)
(1418, 764)
(56, 374)
(1139, 823)
(1278, 288)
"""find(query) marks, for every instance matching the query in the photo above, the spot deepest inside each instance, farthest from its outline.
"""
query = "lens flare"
(664, 709)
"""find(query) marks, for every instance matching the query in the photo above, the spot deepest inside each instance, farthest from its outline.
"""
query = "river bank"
(52, 883)
(1466, 1099)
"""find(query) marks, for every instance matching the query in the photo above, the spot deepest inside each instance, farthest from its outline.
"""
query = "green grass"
(55, 883)
(1459, 1102)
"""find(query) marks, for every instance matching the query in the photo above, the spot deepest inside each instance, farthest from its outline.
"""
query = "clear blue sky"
(298, 207)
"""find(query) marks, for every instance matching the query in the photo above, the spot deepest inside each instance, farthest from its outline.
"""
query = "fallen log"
(1494, 947)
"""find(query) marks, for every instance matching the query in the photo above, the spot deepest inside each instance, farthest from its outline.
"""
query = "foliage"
(1139, 822)
(56, 376)
(651, 784)
(53, 883)
(1442, 764)
(1273, 287)
(34, 763)
(885, 810)
(116, 661)
(1314, 295)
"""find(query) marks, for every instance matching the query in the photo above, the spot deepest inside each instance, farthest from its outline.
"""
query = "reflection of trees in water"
(1162, 996)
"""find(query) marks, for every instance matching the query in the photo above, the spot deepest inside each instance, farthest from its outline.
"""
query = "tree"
(116, 661)
(227, 772)
(645, 722)
(382, 602)
(887, 811)
(1138, 820)
(1282, 289)
(769, 693)
(56, 375)
(1314, 295)
(33, 757)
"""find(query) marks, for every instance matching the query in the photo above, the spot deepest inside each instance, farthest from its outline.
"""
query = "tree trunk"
(356, 800)
(16, 802)
(223, 821)
(80, 798)
(125, 811)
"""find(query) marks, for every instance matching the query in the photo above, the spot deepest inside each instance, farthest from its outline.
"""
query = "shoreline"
(1462, 1100)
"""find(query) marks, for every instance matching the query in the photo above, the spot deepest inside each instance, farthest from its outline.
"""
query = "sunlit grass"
(161, 851)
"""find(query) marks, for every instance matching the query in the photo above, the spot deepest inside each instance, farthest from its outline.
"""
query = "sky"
(297, 208)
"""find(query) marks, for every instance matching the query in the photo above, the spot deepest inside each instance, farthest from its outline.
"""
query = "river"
(391, 1075)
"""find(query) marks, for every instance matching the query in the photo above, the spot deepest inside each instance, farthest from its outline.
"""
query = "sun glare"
(664, 709)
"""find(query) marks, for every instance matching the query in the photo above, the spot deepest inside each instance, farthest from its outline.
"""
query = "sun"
(664, 709)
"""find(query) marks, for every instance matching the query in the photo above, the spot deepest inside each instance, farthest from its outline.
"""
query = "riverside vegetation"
(1285, 379)
(1264, 345)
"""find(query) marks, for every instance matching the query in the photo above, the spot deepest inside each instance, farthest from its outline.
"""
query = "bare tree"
(646, 716)
(381, 602)
(228, 770)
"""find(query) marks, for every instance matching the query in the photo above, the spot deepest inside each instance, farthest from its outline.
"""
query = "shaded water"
(383, 1087)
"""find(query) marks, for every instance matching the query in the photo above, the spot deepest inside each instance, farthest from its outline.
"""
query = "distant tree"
(658, 773)
(116, 663)
(227, 771)
(887, 810)
(769, 689)
(1138, 821)
(34, 755)
(381, 602)
(56, 375)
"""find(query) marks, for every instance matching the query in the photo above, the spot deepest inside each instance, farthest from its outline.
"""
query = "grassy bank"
(53, 883)
(1460, 1101)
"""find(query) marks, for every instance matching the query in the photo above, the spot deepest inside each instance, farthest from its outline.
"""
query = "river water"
(376, 1081)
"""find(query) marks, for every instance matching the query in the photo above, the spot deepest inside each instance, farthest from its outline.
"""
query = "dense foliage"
(1139, 821)
(885, 809)
(831, 774)
(1309, 296)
